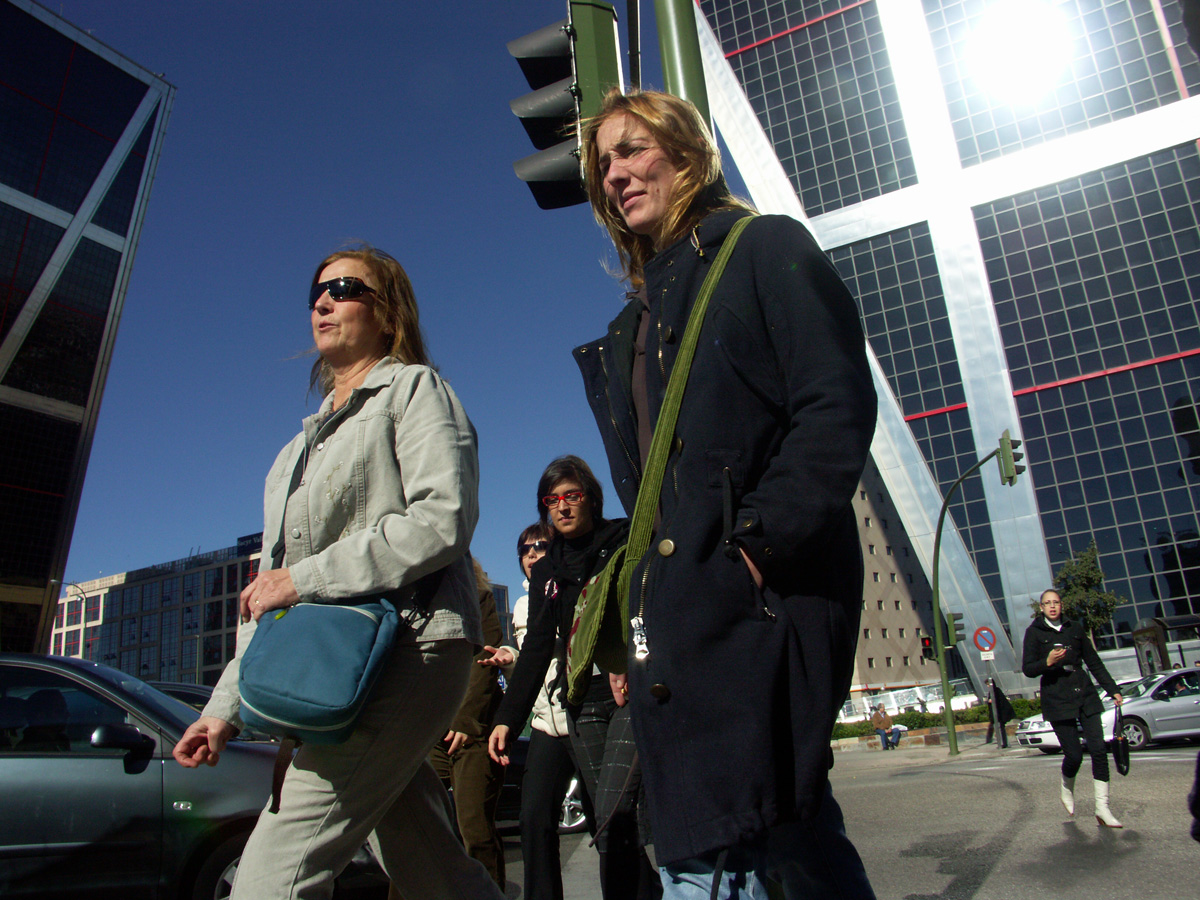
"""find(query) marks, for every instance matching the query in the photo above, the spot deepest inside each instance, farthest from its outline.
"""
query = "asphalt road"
(989, 826)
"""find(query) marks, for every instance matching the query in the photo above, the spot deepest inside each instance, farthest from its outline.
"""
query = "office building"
(174, 621)
(81, 128)
(1010, 188)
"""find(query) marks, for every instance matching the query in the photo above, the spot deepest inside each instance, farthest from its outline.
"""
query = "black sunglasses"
(539, 546)
(339, 289)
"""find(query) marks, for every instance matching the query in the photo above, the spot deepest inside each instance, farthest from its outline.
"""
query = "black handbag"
(1120, 745)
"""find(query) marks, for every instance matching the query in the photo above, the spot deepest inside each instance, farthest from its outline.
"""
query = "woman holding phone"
(1055, 650)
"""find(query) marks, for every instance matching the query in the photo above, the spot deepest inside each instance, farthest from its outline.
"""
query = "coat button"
(666, 547)
(669, 335)
(321, 445)
(295, 532)
(678, 445)
(660, 692)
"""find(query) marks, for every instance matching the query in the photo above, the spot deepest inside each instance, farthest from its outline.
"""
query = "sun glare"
(1019, 50)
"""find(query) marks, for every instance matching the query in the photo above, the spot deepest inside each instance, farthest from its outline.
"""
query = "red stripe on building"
(802, 25)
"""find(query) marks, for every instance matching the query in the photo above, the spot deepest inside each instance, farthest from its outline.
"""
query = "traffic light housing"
(955, 629)
(927, 649)
(570, 65)
(1008, 459)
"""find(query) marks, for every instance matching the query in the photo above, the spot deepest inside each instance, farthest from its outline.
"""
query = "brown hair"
(678, 128)
(538, 531)
(394, 307)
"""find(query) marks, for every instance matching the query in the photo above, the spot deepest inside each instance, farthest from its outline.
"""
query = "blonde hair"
(394, 307)
(678, 128)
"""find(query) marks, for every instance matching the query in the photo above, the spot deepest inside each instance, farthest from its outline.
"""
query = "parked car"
(94, 803)
(1036, 732)
(572, 818)
(1159, 707)
(196, 696)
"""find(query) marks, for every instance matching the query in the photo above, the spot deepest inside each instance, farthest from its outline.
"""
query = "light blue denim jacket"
(390, 493)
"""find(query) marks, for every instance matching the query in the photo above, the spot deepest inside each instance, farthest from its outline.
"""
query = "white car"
(1036, 732)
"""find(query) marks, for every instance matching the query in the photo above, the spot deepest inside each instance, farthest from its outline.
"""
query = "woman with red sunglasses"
(570, 498)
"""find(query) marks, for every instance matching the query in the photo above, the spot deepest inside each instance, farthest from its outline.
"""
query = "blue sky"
(299, 126)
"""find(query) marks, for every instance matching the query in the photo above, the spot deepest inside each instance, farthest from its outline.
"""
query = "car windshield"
(175, 711)
(1139, 688)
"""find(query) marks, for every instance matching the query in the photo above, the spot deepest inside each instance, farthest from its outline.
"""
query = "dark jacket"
(554, 585)
(479, 706)
(1065, 694)
(734, 706)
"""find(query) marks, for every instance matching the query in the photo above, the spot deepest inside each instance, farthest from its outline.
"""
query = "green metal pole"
(679, 47)
(939, 640)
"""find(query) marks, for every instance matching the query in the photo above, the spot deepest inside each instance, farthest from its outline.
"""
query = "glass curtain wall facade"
(1010, 188)
(80, 134)
(175, 621)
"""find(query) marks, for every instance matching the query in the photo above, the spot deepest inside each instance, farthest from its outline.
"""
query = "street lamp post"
(1008, 475)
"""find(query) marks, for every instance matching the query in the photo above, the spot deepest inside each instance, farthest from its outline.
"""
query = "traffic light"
(570, 65)
(927, 648)
(1008, 459)
(955, 629)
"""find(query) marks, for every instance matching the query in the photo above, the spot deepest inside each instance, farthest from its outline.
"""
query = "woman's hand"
(1055, 655)
(501, 657)
(272, 589)
(498, 743)
(1118, 699)
(203, 742)
(619, 685)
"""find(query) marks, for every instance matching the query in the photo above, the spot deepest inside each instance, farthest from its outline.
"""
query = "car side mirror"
(122, 737)
(1162, 695)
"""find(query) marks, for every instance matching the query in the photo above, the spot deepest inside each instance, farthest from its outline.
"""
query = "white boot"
(1067, 795)
(1103, 814)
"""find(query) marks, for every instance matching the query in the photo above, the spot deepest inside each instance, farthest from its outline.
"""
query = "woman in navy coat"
(749, 597)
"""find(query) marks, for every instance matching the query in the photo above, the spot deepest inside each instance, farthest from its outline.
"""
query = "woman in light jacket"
(1055, 650)
(385, 503)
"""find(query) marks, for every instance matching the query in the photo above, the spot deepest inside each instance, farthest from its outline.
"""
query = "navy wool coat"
(734, 706)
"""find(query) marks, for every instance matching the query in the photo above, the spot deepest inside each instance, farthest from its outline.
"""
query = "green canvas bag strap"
(642, 524)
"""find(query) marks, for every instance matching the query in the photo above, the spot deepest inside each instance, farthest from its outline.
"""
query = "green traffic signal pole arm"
(679, 47)
(939, 641)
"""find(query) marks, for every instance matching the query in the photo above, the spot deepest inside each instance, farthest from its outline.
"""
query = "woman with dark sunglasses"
(570, 497)
(378, 494)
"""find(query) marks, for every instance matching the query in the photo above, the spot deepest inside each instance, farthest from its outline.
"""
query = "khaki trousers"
(375, 786)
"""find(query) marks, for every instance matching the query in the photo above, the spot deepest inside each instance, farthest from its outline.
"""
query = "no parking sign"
(985, 638)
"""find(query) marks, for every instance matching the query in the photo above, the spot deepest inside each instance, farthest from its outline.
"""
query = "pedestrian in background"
(386, 503)
(549, 760)
(1056, 650)
(750, 595)
(570, 497)
(1000, 711)
(461, 759)
(889, 734)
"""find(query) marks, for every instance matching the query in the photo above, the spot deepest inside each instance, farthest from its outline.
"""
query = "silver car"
(1166, 705)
